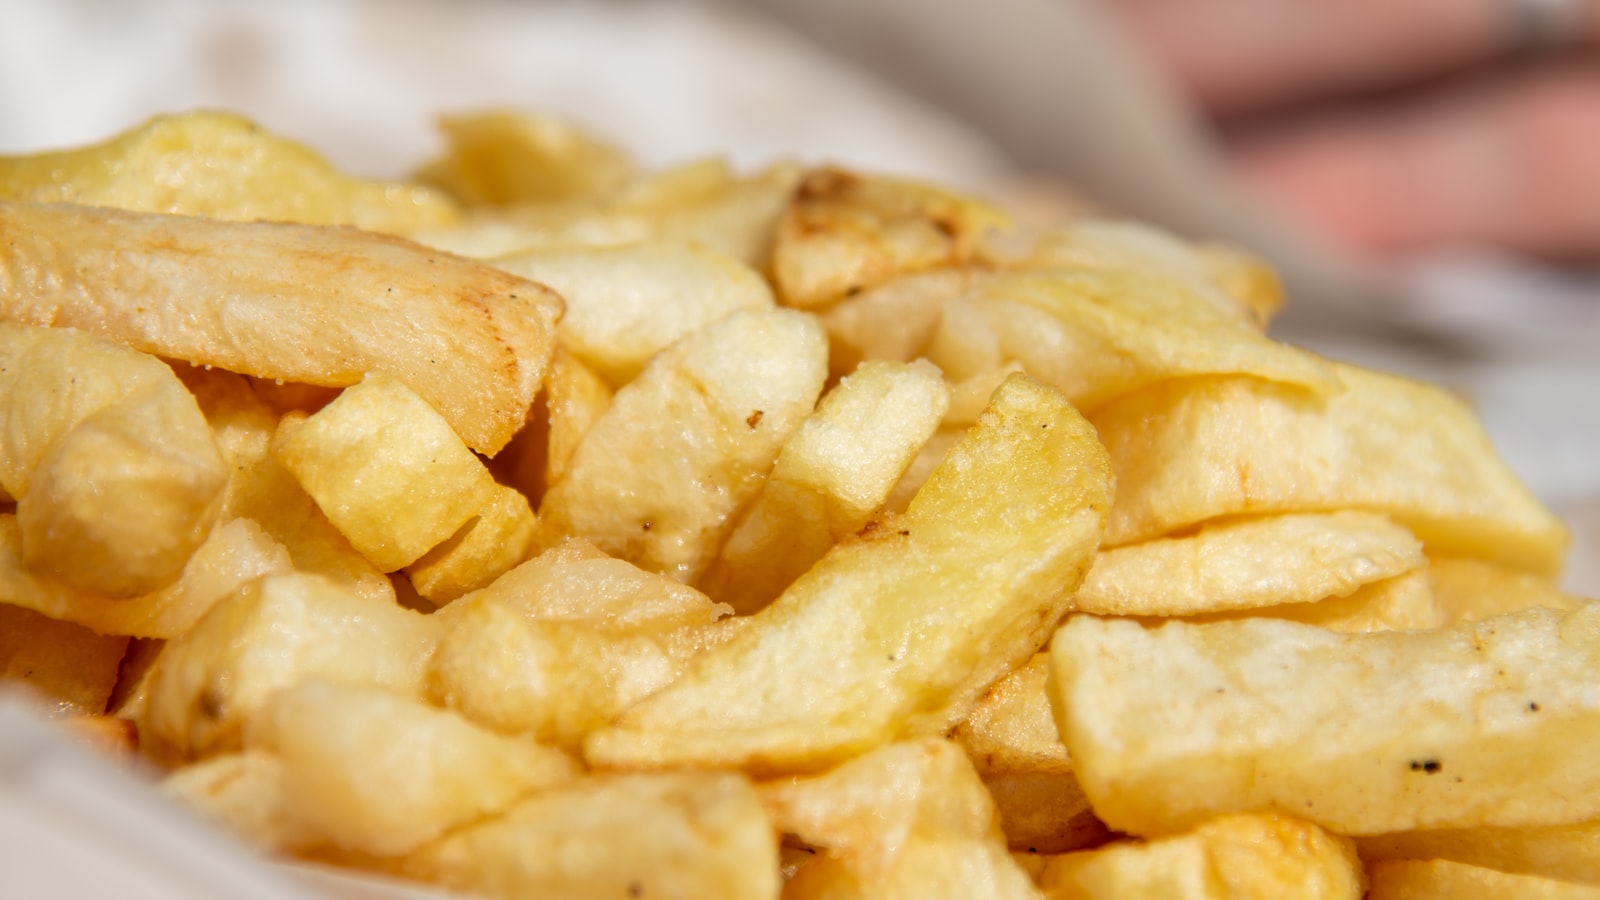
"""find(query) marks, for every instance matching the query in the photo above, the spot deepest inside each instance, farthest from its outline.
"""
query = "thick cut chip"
(493, 542)
(896, 319)
(1401, 603)
(575, 399)
(1485, 723)
(829, 479)
(1563, 852)
(116, 476)
(627, 303)
(1238, 857)
(1195, 449)
(387, 470)
(243, 792)
(906, 820)
(320, 306)
(1470, 589)
(1011, 738)
(70, 669)
(1099, 334)
(273, 634)
(501, 157)
(556, 681)
(234, 554)
(1444, 880)
(374, 772)
(1249, 564)
(220, 166)
(843, 233)
(896, 631)
(688, 834)
(262, 490)
(657, 479)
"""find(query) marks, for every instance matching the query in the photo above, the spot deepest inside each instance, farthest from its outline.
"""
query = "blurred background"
(1425, 173)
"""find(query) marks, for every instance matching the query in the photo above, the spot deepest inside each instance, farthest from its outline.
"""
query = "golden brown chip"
(503, 157)
(300, 303)
(70, 669)
(1444, 880)
(1562, 852)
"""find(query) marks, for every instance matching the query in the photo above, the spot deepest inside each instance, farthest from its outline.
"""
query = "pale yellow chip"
(221, 166)
(260, 488)
(625, 304)
(274, 633)
(1443, 880)
(1239, 857)
(1562, 852)
(658, 478)
(374, 772)
(843, 233)
(70, 669)
(1099, 334)
(1401, 603)
(905, 820)
(829, 479)
(1011, 738)
(1191, 450)
(307, 304)
(896, 631)
(234, 554)
(1470, 589)
(496, 540)
(116, 476)
(1485, 723)
(387, 470)
(575, 398)
(896, 319)
(1251, 563)
(687, 834)
(501, 157)
(243, 792)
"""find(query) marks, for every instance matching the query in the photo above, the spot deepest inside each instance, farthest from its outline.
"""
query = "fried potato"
(1191, 450)
(1238, 857)
(1468, 589)
(1098, 335)
(116, 477)
(843, 233)
(1011, 738)
(828, 480)
(1234, 283)
(70, 669)
(577, 582)
(1401, 603)
(689, 834)
(1443, 880)
(1485, 723)
(905, 820)
(262, 490)
(1562, 852)
(378, 773)
(556, 681)
(243, 792)
(658, 478)
(502, 157)
(500, 536)
(273, 634)
(301, 303)
(895, 319)
(387, 470)
(625, 304)
(1250, 563)
(575, 398)
(896, 631)
(234, 554)
(221, 166)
